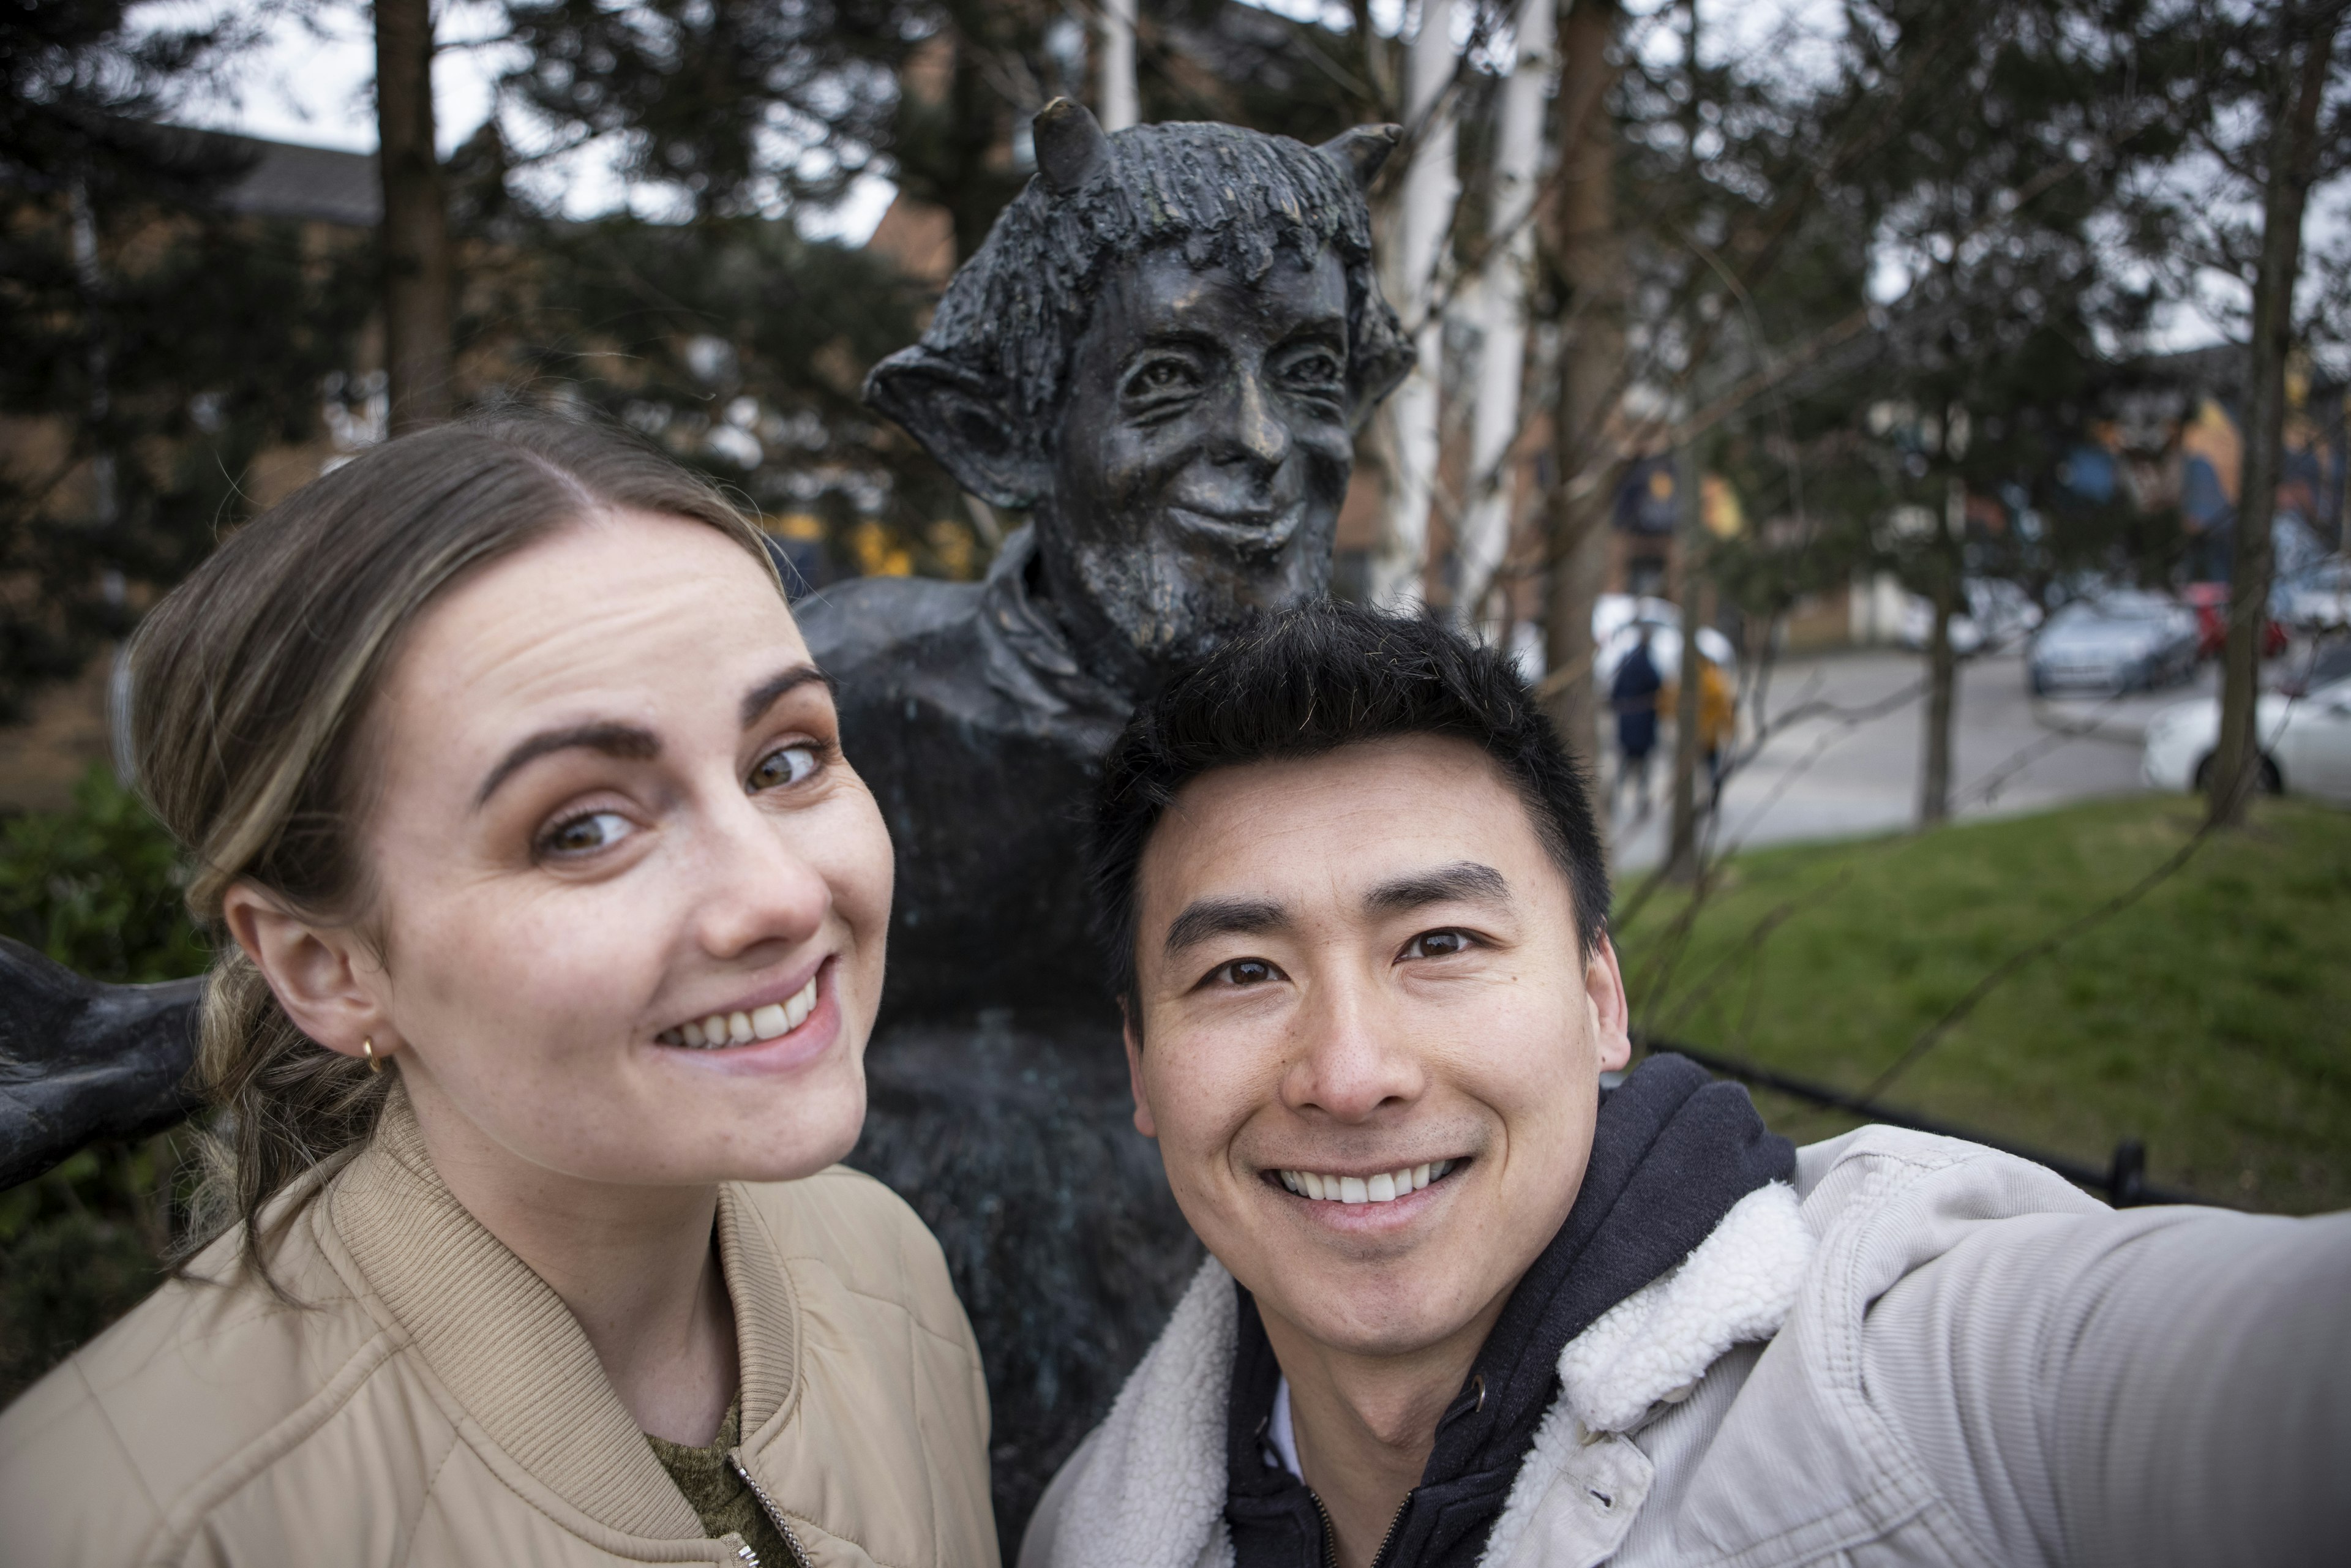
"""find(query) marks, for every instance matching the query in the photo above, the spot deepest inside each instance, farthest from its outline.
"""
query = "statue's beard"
(1168, 606)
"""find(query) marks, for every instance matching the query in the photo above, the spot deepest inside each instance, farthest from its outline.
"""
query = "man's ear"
(321, 974)
(1603, 987)
(963, 419)
(1143, 1120)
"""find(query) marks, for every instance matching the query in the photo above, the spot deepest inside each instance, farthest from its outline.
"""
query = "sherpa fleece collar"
(1151, 1490)
(1673, 1152)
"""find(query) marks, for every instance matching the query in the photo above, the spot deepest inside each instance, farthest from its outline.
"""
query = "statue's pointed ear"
(1361, 151)
(1072, 146)
(965, 421)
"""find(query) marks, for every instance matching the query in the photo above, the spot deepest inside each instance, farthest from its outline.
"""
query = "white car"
(2123, 640)
(2317, 599)
(1998, 615)
(2305, 744)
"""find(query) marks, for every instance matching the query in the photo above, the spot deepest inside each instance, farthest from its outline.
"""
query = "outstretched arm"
(2163, 1386)
(80, 1059)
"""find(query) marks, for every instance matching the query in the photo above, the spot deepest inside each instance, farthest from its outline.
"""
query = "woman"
(556, 925)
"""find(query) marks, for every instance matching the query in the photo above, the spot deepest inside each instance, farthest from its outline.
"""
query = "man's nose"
(1253, 430)
(755, 886)
(1354, 1057)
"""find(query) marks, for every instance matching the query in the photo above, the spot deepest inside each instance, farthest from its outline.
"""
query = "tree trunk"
(1942, 706)
(1689, 531)
(2298, 84)
(1502, 304)
(1584, 465)
(418, 284)
(1116, 100)
(1423, 220)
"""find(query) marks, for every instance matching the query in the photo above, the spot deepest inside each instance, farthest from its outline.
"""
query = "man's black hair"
(1304, 683)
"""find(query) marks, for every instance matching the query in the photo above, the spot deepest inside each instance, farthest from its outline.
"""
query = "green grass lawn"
(2212, 1019)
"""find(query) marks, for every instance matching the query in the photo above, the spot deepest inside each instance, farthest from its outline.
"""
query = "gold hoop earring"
(367, 1049)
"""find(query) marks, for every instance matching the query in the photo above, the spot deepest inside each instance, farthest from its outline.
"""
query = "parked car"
(2317, 599)
(2126, 640)
(2305, 743)
(1999, 614)
(2211, 603)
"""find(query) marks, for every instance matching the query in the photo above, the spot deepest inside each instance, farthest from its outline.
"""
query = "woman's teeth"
(1385, 1188)
(741, 1029)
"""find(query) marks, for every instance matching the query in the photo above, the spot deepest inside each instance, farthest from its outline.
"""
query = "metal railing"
(2123, 1183)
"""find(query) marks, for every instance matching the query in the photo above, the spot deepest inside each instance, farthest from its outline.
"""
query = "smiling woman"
(555, 926)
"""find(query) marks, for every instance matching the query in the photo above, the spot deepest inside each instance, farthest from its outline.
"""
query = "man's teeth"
(741, 1029)
(1385, 1188)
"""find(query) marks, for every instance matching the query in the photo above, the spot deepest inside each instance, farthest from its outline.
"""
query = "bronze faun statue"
(1161, 354)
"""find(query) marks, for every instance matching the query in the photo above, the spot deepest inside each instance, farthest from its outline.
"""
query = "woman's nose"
(756, 884)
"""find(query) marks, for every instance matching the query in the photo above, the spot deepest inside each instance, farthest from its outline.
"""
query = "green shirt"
(720, 1497)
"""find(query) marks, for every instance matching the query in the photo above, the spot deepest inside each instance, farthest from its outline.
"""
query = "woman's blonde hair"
(251, 684)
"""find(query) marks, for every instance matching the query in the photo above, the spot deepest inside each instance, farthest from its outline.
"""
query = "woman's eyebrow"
(626, 740)
(767, 693)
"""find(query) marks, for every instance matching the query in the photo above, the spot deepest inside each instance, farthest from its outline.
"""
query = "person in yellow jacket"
(550, 925)
(1717, 718)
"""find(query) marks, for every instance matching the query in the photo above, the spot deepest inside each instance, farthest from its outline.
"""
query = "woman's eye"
(1244, 972)
(587, 833)
(1437, 945)
(785, 765)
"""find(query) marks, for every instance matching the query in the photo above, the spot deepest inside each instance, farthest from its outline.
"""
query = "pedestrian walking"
(1633, 695)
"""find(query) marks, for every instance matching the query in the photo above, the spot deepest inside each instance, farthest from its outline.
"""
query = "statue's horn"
(1071, 147)
(1361, 151)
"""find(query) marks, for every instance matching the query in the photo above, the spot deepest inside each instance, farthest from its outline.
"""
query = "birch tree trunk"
(1501, 303)
(1591, 262)
(2296, 87)
(418, 284)
(1423, 220)
(1117, 102)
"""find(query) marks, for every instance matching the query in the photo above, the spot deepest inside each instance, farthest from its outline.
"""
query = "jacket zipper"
(1331, 1531)
(775, 1515)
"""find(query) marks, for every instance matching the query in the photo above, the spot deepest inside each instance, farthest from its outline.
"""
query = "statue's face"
(1203, 451)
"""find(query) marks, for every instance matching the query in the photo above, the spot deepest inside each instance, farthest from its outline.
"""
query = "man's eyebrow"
(626, 740)
(767, 693)
(1466, 882)
(1207, 917)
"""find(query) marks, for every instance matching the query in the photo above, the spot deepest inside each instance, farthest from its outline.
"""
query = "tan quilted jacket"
(434, 1402)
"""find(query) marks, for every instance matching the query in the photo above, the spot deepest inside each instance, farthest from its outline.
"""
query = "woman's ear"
(963, 420)
(321, 974)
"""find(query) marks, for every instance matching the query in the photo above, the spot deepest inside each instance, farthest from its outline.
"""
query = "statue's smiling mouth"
(1253, 531)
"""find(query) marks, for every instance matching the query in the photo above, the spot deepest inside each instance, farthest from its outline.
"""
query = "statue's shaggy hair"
(1225, 196)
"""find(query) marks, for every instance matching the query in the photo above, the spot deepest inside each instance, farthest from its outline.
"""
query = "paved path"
(1842, 757)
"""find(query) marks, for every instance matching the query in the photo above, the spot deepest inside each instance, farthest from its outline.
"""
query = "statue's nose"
(1254, 432)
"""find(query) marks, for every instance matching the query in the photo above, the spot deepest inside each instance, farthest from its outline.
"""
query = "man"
(1632, 693)
(1466, 1306)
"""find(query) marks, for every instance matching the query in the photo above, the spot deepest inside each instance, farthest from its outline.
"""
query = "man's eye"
(785, 765)
(585, 833)
(1437, 945)
(1244, 972)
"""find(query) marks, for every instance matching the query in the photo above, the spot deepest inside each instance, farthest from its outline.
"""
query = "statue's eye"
(1160, 376)
(1319, 369)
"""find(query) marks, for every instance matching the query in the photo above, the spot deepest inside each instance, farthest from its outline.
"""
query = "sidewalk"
(1843, 757)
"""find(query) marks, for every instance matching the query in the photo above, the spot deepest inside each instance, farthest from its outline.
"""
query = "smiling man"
(1467, 1306)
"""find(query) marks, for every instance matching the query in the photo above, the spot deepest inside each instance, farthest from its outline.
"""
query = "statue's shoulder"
(854, 623)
